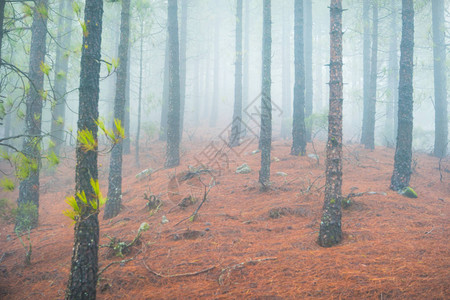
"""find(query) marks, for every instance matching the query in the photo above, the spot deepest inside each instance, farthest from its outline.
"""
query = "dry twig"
(176, 275)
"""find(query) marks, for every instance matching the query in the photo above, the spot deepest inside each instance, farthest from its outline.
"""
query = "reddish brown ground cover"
(393, 248)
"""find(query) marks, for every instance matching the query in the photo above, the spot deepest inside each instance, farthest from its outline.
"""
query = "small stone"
(256, 151)
(315, 156)
(206, 229)
(275, 159)
(289, 227)
(281, 174)
(144, 173)
(164, 220)
(243, 169)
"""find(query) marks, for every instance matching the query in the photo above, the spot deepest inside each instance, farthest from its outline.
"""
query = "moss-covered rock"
(409, 192)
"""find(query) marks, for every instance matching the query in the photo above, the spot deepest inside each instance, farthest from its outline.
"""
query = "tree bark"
(440, 80)
(266, 104)
(61, 69)
(165, 95)
(114, 202)
(84, 264)
(173, 117)
(29, 187)
(298, 127)
(372, 103)
(237, 112)
(366, 71)
(330, 227)
(403, 151)
(126, 118)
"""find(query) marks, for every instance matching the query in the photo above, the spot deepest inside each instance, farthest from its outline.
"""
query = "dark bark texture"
(84, 265)
(330, 227)
(366, 71)
(173, 116)
(309, 105)
(403, 151)
(61, 69)
(126, 118)
(29, 187)
(266, 104)
(372, 102)
(440, 80)
(114, 202)
(298, 127)
(237, 112)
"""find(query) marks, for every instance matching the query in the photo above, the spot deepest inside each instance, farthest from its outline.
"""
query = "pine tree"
(330, 227)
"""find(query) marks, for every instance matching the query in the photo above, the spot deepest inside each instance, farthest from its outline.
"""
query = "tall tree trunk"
(298, 128)
(141, 60)
(440, 80)
(391, 104)
(197, 90)
(286, 77)
(165, 95)
(173, 116)
(114, 202)
(372, 103)
(319, 65)
(183, 42)
(403, 151)
(266, 104)
(84, 265)
(366, 71)
(2, 17)
(215, 103)
(61, 68)
(29, 187)
(246, 64)
(330, 227)
(237, 112)
(126, 118)
(308, 67)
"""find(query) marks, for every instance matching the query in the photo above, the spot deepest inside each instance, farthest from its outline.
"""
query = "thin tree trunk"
(366, 71)
(372, 103)
(298, 128)
(246, 64)
(141, 60)
(183, 42)
(308, 67)
(61, 69)
(165, 95)
(440, 80)
(237, 112)
(114, 202)
(403, 151)
(126, 118)
(84, 264)
(330, 227)
(391, 104)
(197, 90)
(173, 116)
(29, 187)
(2, 17)
(286, 77)
(266, 104)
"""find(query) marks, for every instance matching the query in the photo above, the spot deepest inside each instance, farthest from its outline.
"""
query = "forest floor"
(245, 243)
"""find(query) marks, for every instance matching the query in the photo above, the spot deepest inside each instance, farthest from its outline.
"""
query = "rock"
(275, 159)
(244, 169)
(164, 220)
(315, 156)
(281, 174)
(256, 151)
(144, 173)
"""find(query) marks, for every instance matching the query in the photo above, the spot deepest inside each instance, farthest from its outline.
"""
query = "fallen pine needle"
(176, 275)
(241, 265)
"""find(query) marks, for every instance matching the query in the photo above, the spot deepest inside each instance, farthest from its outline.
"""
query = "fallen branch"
(241, 265)
(111, 264)
(176, 275)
